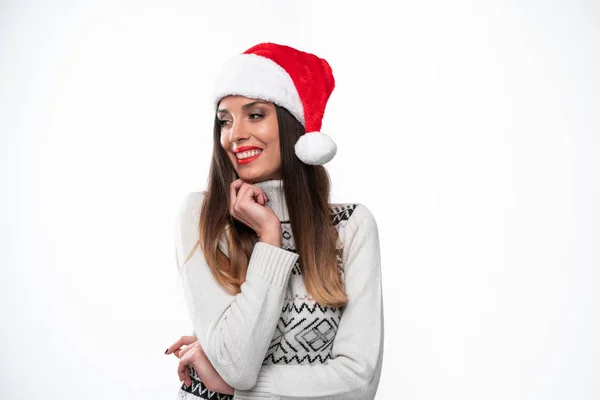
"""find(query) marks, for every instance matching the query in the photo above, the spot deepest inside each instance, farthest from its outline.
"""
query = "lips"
(249, 159)
(245, 148)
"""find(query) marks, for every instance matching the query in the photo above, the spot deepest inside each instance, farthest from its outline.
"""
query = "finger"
(250, 193)
(187, 348)
(189, 362)
(240, 195)
(262, 199)
(188, 378)
(237, 183)
(182, 366)
(233, 189)
(235, 186)
(180, 371)
(184, 340)
(240, 199)
(259, 194)
(180, 352)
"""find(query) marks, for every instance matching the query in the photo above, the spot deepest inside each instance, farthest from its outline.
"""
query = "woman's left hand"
(194, 355)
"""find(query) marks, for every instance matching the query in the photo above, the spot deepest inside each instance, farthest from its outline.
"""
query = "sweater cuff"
(264, 389)
(271, 263)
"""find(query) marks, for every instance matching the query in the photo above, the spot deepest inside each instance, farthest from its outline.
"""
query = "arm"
(234, 331)
(357, 354)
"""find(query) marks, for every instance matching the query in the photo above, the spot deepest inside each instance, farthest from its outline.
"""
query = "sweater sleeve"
(354, 370)
(234, 331)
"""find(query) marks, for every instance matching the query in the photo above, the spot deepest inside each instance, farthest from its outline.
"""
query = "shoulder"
(360, 240)
(187, 217)
(187, 220)
(356, 226)
(185, 224)
(189, 208)
(342, 212)
(364, 218)
(356, 214)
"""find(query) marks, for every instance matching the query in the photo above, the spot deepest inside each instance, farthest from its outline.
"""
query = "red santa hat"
(295, 80)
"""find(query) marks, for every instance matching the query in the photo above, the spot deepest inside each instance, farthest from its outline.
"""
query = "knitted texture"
(308, 351)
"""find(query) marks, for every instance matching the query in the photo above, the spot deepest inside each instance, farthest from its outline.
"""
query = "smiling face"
(249, 129)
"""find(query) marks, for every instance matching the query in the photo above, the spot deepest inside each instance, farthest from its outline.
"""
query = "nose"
(237, 132)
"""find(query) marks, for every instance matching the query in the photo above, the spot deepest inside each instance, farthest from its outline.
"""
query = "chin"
(254, 177)
(253, 173)
(249, 176)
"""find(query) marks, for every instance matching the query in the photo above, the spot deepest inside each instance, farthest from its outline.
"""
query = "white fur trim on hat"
(257, 77)
(315, 148)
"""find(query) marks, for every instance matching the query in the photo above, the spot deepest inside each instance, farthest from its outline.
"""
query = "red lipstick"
(245, 148)
(248, 159)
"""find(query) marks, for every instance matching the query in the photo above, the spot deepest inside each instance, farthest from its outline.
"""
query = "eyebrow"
(245, 106)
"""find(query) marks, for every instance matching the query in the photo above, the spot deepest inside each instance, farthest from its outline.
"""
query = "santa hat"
(295, 80)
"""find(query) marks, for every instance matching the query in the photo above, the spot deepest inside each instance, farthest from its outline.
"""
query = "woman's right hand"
(247, 205)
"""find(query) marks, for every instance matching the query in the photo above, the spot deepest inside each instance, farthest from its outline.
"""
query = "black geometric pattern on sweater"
(296, 360)
(298, 335)
(311, 309)
(339, 212)
(198, 389)
(342, 212)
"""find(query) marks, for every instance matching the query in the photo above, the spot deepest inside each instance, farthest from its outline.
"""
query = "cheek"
(274, 133)
(224, 142)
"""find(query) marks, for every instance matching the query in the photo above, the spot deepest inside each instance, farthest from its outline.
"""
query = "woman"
(283, 289)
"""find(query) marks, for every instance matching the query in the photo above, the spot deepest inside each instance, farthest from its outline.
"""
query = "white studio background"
(469, 129)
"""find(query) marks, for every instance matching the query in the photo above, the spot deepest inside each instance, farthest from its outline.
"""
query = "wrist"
(272, 235)
(223, 388)
(272, 242)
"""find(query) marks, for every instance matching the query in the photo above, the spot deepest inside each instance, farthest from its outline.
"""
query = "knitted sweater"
(273, 340)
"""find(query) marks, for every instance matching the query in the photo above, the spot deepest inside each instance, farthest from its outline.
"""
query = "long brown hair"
(306, 188)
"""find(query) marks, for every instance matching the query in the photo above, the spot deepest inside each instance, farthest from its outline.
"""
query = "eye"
(255, 116)
(222, 122)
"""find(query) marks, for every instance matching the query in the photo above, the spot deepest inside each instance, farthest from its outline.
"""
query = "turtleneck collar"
(274, 190)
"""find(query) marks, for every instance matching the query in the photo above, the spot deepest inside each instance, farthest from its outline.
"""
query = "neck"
(273, 188)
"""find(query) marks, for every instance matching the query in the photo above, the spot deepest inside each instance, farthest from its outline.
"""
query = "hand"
(190, 352)
(247, 205)
(176, 348)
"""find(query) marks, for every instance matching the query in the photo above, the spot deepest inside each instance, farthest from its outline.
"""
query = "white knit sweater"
(272, 340)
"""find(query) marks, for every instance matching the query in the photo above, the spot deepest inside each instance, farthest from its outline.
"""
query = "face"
(249, 129)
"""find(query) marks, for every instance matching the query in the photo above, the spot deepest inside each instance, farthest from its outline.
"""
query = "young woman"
(283, 288)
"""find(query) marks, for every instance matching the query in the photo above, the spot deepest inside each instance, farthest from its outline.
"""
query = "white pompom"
(315, 148)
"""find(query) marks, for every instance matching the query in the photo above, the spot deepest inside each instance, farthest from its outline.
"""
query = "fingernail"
(166, 351)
